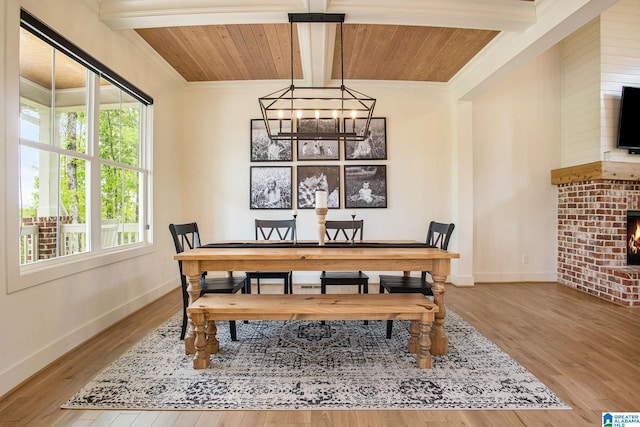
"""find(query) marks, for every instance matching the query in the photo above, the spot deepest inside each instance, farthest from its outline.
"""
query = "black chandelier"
(317, 113)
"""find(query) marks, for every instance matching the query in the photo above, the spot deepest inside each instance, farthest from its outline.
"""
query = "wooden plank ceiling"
(395, 52)
(227, 52)
(260, 51)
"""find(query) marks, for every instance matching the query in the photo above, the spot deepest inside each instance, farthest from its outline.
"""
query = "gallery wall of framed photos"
(286, 174)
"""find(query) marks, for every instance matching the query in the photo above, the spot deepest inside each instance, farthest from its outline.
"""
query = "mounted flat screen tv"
(629, 124)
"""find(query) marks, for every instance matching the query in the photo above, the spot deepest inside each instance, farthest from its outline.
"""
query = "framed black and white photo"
(271, 187)
(264, 149)
(372, 148)
(314, 178)
(318, 150)
(365, 186)
(318, 125)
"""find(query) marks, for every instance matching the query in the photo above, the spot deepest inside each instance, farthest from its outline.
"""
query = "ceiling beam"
(131, 14)
(501, 15)
(510, 51)
(317, 61)
(316, 52)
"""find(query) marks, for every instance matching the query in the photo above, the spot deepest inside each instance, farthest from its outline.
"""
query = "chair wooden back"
(439, 234)
(184, 235)
(344, 230)
(285, 229)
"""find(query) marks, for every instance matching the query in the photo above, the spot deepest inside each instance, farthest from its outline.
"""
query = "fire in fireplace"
(633, 237)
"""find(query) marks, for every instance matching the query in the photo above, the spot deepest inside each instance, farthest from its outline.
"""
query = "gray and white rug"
(306, 365)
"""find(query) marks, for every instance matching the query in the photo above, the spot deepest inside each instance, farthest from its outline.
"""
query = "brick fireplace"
(593, 201)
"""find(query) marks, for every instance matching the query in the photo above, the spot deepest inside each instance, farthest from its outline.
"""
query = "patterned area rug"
(307, 365)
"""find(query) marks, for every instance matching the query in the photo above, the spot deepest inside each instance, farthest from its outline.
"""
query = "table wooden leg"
(193, 289)
(201, 358)
(213, 345)
(439, 340)
(414, 333)
(423, 356)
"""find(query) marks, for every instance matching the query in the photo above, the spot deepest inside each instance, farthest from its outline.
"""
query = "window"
(121, 177)
(83, 139)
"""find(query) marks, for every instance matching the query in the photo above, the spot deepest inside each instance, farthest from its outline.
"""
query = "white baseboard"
(461, 280)
(515, 277)
(17, 373)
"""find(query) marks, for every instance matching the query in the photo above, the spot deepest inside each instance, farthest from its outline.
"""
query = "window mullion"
(121, 165)
(93, 184)
(146, 213)
(53, 149)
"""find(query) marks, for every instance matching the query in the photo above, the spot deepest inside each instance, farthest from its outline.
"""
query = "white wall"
(620, 66)
(597, 60)
(216, 161)
(40, 323)
(516, 144)
(581, 86)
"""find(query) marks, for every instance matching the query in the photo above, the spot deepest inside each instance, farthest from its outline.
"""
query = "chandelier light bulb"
(335, 114)
(280, 113)
(353, 114)
(317, 114)
(299, 114)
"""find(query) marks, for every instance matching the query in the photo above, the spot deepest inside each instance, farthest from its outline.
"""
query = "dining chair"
(348, 231)
(188, 235)
(274, 229)
(438, 236)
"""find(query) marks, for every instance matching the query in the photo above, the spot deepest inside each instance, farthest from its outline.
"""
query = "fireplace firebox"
(633, 237)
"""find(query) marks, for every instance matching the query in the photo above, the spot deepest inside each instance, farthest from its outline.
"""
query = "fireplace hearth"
(633, 237)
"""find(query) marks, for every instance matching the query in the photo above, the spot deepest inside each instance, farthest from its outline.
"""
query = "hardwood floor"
(586, 350)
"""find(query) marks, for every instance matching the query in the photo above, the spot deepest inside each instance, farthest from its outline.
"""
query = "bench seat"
(211, 307)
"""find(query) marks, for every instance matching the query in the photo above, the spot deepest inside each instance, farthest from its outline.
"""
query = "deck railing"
(29, 243)
(73, 238)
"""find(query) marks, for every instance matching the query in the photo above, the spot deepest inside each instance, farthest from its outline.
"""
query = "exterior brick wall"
(592, 230)
(48, 235)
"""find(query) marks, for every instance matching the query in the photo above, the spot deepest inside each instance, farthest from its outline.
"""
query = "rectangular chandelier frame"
(304, 105)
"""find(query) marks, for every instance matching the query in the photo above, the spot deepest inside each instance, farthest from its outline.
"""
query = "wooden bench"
(211, 307)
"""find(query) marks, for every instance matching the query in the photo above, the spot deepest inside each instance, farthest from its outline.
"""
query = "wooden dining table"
(405, 256)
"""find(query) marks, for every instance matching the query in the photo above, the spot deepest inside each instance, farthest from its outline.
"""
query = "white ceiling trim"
(272, 85)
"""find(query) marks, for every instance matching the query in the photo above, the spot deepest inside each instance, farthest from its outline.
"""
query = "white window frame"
(22, 277)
